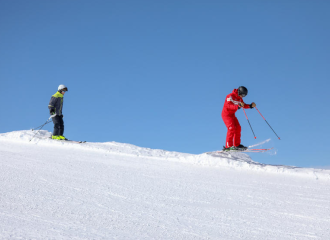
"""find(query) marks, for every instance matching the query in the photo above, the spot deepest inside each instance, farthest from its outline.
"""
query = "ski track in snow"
(63, 190)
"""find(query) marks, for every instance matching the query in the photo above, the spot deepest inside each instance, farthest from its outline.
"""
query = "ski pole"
(267, 123)
(41, 125)
(249, 124)
(48, 121)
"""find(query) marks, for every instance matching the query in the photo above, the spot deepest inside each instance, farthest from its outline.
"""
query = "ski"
(73, 141)
(249, 150)
(66, 140)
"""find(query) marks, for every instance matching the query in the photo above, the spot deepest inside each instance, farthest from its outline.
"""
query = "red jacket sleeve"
(246, 105)
(229, 104)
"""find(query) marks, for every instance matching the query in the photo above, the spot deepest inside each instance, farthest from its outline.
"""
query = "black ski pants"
(58, 125)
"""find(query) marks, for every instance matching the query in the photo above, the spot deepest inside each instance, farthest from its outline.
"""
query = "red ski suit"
(228, 116)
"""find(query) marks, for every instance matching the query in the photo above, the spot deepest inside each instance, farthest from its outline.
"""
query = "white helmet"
(62, 88)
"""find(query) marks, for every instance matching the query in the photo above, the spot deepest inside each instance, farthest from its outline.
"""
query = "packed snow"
(63, 190)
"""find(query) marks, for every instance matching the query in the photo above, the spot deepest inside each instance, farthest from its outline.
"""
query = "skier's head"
(242, 91)
(62, 88)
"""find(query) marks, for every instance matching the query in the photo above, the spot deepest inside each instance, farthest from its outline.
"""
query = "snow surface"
(62, 190)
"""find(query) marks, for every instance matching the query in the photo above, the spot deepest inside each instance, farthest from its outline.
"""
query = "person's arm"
(51, 105)
(231, 104)
(244, 105)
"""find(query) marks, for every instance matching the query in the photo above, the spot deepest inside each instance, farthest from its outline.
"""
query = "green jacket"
(56, 104)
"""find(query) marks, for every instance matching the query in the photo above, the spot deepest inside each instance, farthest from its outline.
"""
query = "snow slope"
(63, 190)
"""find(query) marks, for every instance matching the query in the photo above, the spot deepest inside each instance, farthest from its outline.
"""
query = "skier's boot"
(242, 147)
(233, 148)
(55, 137)
(62, 138)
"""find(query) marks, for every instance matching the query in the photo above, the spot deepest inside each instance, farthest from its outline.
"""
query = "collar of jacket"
(58, 95)
(235, 91)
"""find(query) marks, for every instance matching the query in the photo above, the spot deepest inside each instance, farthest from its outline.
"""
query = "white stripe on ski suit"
(230, 99)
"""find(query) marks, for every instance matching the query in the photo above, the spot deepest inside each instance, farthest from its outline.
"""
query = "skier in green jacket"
(55, 109)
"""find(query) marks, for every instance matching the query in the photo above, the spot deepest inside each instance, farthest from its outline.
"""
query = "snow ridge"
(239, 161)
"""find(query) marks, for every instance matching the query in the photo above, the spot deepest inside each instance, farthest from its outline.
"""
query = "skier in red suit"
(233, 102)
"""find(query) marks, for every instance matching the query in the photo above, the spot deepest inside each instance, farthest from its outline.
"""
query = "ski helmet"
(62, 88)
(242, 91)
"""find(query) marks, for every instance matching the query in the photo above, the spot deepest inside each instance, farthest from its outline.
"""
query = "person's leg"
(230, 124)
(61, 126)
(237, 135)
(57, 125)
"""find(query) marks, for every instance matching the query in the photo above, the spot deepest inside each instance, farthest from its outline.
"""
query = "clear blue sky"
(156, 73)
